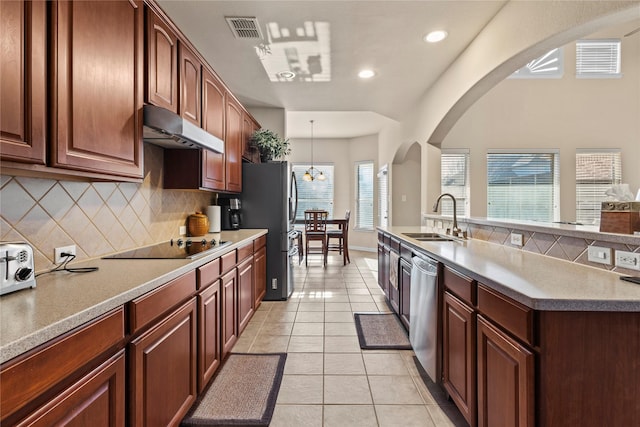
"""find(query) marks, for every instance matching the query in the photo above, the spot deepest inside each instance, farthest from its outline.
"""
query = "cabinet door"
(97, 399)
(405, 291)
(383, 269)
(245, 293)
(23, 83)
(459, 355)
(229, 286)
(190, 85)
(163, 370)
(505, 379)
(209, 322)
(162, 63)
(260, 278)
(213, 121)
(394, 293)
(98, 86)
(233, 146)
(249, 126)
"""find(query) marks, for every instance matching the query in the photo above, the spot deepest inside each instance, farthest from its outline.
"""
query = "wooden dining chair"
(340, 234)
(315, 230)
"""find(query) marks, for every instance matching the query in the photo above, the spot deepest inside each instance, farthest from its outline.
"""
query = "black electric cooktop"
(188, 248)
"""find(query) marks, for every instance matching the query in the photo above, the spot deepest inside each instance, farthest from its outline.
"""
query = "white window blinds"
(314, 194)
(454, 179)
(596, 172)
(523, 186)
(364, 195)
(383, 196)
(598, 58)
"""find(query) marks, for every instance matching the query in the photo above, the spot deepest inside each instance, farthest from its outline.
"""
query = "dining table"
(340, 222)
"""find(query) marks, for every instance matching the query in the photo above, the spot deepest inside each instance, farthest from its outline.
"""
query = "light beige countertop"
(62, 301)
(537, 281)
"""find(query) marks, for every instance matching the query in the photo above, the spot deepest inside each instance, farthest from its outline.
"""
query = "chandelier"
(313, 173)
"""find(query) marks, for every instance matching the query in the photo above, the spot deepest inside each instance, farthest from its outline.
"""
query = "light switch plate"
(628, 260)
(599, 255)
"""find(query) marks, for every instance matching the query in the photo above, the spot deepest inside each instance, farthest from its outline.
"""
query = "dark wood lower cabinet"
(245, 293)
(97, 399)
(505, 379)
(404, 285)
(163, 370)
(229, 285)
(209, 323)
(260, 275)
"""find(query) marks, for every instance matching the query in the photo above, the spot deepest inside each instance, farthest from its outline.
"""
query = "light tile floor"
(328, 380)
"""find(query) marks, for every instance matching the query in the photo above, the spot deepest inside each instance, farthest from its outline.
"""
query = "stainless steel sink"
(430, 237)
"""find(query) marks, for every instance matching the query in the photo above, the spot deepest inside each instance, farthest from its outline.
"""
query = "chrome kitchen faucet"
(457, 232)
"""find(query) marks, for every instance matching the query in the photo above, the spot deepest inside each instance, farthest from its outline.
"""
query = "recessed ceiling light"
(366, 74)
(435, 36)
(287, 74)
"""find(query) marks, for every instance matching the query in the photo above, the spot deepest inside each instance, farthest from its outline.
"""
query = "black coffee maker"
(231, 215)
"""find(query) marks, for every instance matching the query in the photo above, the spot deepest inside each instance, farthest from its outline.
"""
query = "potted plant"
(270, 145)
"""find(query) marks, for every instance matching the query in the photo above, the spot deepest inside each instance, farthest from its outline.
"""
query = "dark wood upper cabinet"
(23, 83)
(190, 85)
(234, 146)
(249, 126)
(98, 86)
(213, 121)
(162, 63)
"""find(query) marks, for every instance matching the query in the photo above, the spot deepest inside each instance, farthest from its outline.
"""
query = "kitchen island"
(66, 341)
(526, 339)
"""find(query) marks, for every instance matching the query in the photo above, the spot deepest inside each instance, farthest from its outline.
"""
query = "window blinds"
(454, 179)
(596, 172)
(598, 58)
(314, 194)
(364, 195)
(523, 186)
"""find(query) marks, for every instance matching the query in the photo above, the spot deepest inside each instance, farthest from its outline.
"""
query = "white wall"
(562, 114)
(520, 32)
(406, 187)
(273, 119)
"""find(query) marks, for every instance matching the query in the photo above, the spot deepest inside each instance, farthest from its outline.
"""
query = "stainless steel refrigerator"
(269, 200)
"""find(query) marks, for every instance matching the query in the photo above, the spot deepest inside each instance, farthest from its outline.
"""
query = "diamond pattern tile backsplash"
(98, 217)
(568, 248)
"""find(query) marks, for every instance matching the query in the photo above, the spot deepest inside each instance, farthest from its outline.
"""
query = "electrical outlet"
(274, 283)
(183, 230)
(57, 253)
(516, 239)
(628, 260)
(599, 254)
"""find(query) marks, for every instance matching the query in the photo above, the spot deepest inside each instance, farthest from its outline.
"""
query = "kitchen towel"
(213, 213)
(394, 259)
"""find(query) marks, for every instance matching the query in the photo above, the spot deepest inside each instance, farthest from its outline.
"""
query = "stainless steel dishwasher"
(423, 325)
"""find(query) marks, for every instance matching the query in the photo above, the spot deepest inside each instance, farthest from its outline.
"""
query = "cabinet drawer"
(406, 253)
(510, 315)
(208, 273)
(462, 286)
(227, 261)
(395, 245)
(51, 363)
(381, 238)
(245, 252)
(148, 307)
(259, 242)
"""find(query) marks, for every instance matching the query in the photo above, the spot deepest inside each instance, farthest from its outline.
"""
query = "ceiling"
(385, 36)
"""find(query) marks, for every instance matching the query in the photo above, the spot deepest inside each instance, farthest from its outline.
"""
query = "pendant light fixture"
(312, 173)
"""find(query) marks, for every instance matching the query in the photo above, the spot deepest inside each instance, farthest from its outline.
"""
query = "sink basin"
(429, 237)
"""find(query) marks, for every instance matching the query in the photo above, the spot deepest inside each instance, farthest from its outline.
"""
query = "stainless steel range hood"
(166, 129)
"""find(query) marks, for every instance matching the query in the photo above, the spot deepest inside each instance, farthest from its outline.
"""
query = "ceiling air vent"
(244, 27)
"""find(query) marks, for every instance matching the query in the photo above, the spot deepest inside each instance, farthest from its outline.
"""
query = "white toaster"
(17, 270)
